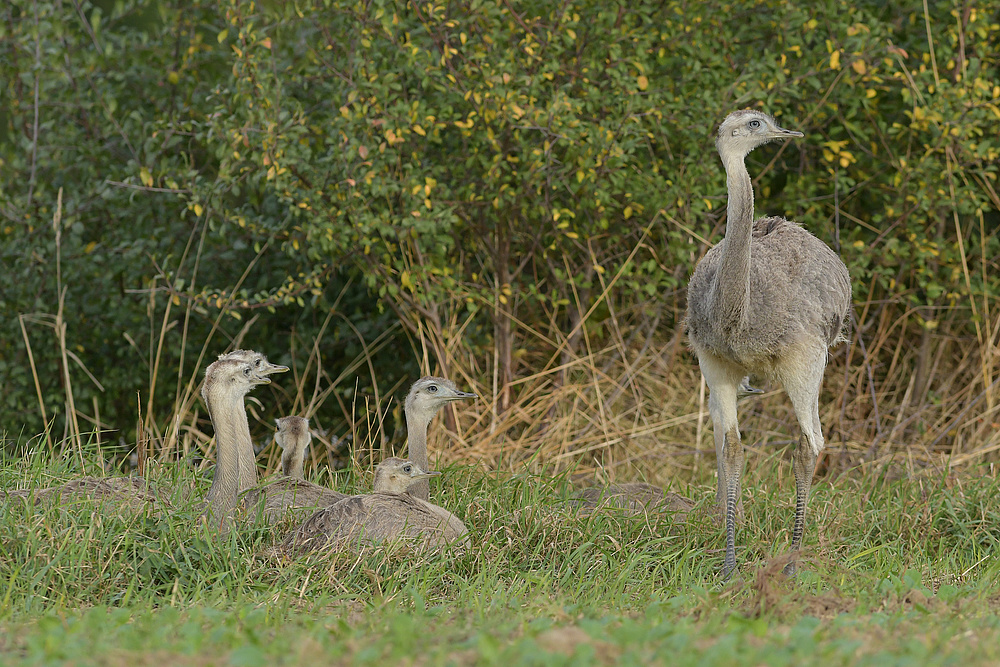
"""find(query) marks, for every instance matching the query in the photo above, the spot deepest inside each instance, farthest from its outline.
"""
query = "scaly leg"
(804, 464)
(803, 389)
(735, 460)
(723, 380)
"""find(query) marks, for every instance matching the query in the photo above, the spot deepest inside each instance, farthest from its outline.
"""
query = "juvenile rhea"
(293, 437)
(124, 493)
(227, 381)
(389, 514)
(632, 498)
(767, 301)
(427, 395)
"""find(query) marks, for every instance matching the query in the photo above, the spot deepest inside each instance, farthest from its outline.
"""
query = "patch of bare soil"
(568, 639)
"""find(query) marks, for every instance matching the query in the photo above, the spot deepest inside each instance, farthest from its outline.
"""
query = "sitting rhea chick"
(293, 437)
(390, 514)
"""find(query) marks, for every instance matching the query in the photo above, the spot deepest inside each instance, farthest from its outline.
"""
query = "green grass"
(897, 571)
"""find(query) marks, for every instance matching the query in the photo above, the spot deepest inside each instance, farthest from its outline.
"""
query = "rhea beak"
(270, 368)
(424, 474)
(783, 133)
(459, 395)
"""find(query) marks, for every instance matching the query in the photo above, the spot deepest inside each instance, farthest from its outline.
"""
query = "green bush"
(499, 178)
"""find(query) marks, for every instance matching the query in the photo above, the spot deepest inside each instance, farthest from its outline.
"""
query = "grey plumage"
(259, 364)
(767, 301)
(632, 498)
(427, 395)
(133, 493)
(389, 514)
(293, 437)
(227, 381)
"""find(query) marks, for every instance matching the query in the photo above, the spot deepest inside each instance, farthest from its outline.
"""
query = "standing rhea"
(427, 396)
(386, 515)
(293, 437)
(767, 301)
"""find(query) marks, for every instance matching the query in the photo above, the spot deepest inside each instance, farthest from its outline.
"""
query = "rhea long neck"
(732, 279)
(232, 442)
(416, 448)
(292, 461)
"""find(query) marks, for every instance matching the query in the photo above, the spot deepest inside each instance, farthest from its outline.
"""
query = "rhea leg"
(723, 380)
(803, 390)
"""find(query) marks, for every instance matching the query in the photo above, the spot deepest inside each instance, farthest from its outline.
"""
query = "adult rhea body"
(769, 300)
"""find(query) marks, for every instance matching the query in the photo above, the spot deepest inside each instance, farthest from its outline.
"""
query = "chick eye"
(754, 124)
(246, 371)
(406, 468)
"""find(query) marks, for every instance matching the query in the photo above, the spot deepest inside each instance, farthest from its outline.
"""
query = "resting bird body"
(633, 498)
(390, 514)
(132, 493)
(227, 381)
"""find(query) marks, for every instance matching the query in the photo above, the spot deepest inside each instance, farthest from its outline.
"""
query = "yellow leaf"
(835, 59)
(198, 209)
(419, 130)
(406, 281)
(571, 34)
(572, 235)
(870, 93)
(627, 212)
(173, 77)
(222, 35)
(580, 175)
(643, 82)
(859, 66)
(145, 177)
(90, 247)
(266, 42)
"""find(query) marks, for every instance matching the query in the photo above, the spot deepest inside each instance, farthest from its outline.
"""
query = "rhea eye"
(433, 388)
(754, 124)
(407, 469)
